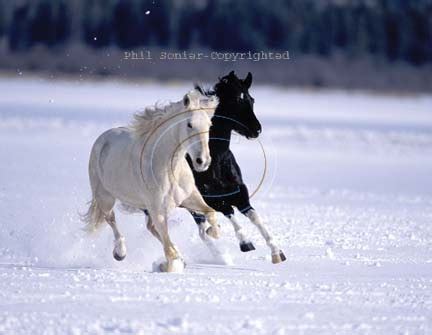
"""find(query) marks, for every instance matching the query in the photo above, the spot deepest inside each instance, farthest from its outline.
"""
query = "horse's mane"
(152, 116)
(219, 89)
(143, 122)
(208, 92)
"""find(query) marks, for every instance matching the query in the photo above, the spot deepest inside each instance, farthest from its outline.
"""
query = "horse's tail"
(94, 218)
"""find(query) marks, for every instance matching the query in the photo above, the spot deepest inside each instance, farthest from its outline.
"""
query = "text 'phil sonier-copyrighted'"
(256, 56)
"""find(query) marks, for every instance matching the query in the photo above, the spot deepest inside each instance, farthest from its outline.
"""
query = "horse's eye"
(189, 125)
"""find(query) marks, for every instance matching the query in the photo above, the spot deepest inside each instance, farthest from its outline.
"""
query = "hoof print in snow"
(278, 258)
(246, 246)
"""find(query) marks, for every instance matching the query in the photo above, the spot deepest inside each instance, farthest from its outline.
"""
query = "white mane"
(143, 122)
(152, 116)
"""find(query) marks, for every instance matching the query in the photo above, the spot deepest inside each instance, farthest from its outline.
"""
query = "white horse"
(144, 167)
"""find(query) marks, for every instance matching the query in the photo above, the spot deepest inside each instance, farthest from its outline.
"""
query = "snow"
(347, 193)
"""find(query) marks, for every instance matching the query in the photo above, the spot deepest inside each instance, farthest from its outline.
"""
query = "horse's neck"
(220, 136)
(163, 153)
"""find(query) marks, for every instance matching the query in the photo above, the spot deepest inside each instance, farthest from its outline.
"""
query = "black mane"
(204, 91)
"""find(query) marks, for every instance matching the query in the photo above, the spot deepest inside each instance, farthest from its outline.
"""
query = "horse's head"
(236, 105)
(195, 130)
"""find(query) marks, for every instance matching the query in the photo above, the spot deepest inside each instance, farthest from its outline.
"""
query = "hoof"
(118, 257)
(119, 251)
(246, 246)
(278, 258)
(213, 232)
(176, 266)
(203, 228)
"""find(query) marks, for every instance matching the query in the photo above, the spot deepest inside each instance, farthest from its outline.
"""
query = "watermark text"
(255, 56)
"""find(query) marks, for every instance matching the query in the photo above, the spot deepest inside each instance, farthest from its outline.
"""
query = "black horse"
(222, 185)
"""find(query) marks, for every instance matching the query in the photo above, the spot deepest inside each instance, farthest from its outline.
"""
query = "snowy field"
(347, 192)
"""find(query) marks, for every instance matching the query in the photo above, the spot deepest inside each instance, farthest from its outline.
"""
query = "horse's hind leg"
(106, 204)
(119, 252)
(101, 207)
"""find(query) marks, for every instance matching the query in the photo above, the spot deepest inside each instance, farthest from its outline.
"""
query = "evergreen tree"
(19, 39)
(2, 19)
(187, 23)
(419, 44)
(127, 24)
(63, 23)
(97, 23)
(160, 22)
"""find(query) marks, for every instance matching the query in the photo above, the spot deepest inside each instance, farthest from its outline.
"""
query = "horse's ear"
(231, 73)
(248, 80)
(186, 101)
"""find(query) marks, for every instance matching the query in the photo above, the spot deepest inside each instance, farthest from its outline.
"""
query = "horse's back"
(115, 136)
(115, 141)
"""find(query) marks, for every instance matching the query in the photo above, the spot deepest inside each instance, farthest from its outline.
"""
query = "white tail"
(93, 218)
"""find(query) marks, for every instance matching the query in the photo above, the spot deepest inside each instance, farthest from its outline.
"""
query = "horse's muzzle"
(201, 165)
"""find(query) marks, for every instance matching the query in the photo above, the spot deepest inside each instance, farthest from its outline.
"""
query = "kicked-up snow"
(347, 191)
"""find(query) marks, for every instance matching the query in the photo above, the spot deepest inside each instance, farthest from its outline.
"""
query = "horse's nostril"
(199, 161)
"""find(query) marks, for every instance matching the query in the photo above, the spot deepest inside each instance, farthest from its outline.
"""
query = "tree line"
(393, 30)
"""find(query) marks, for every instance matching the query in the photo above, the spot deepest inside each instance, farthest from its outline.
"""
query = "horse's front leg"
(205, 229)
(245, 244)
(174, 261)
(150, 226)
(202, 224)
(277, 254)
(196, 203)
